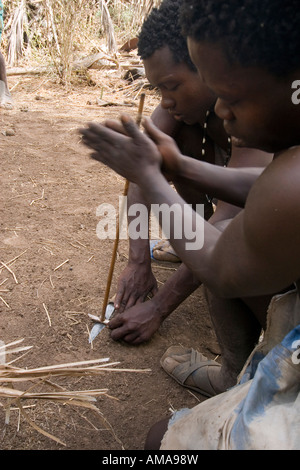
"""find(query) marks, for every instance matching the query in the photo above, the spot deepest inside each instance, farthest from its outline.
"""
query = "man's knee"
(155, 435)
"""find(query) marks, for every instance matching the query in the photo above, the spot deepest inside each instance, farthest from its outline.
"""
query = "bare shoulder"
(262, 241)
(272, 216)
(280, 180)
(245, 157)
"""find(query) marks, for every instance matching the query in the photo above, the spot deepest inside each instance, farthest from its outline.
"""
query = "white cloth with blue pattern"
(262, 412)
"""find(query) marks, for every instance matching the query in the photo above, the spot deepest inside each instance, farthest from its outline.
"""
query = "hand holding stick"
(119, 222)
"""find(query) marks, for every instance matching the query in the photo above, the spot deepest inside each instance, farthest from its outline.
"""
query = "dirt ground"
(50, 190)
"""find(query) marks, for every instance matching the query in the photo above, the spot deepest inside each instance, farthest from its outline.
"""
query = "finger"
(98, 142)
(133, 338)
(90, 129)
(100, 156)
(121, 302)
(97, 132)
(141, 299)
(130, 127)
(131, 301)
(115, 126)
(138, 340)
(122, 306)
(119, 297)
(152, 131)
(119, 333)
(115, 322)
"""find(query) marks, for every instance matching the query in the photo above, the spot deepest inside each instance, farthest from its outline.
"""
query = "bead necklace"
(203, 151)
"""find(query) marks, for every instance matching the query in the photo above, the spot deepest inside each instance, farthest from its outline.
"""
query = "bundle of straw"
(11, 376)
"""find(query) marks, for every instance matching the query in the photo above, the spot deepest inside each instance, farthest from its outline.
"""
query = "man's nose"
(223, 110)
(167, 102)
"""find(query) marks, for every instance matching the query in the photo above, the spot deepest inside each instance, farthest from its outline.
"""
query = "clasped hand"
(130, 152)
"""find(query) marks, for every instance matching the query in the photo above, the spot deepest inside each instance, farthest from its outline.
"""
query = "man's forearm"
(175, 290)
(157, 190)
(228, 184)
(138, 248)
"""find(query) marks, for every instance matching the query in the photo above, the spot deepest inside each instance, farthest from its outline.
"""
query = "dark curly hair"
(263, 33)
(161, 28)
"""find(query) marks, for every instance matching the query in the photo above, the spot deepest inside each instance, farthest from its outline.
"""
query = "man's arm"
(138, 323)
(258, 253)
(137, 280)
(230, 184)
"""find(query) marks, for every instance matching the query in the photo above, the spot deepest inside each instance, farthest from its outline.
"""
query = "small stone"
(9, 132)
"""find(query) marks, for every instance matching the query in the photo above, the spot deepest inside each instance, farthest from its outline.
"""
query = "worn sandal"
(161, 250)
(194, 364)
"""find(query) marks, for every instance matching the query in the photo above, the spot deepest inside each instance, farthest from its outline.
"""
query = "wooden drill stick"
(119, 222)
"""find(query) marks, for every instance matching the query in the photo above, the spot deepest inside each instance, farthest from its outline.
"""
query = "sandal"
(194, 364)
(161, 250)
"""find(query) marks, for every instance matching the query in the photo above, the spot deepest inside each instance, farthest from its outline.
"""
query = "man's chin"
(190, 121)
(238, 142)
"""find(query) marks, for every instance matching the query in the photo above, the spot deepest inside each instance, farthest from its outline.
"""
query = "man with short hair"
(186, 113)
(246, 52)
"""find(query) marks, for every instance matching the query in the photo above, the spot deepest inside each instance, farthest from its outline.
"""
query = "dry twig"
(11, 376)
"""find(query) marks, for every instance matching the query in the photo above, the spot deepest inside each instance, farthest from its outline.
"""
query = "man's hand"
(135, 283)
(137, 324)
(167, 147)
(165, 144)
(133, 155)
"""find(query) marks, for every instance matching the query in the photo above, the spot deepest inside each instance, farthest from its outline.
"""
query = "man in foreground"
(246, 53)
(186, 113)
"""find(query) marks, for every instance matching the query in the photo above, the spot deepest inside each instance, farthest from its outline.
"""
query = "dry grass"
(57, 32)
(22, 384)
(48, 32)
